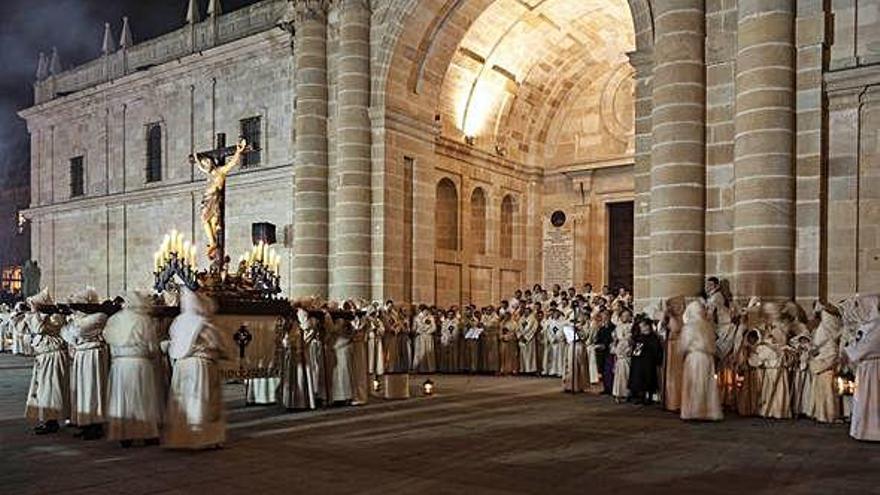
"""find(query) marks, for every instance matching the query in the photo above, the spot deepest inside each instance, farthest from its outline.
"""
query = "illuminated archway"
(515, 97)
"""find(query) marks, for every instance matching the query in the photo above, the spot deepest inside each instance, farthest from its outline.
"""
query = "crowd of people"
(133, 377)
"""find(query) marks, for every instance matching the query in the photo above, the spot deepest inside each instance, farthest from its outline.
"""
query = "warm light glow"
(504, 60)
(481, 105)
(428, 387)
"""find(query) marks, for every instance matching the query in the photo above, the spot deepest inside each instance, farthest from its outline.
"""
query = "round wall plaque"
(557, 219)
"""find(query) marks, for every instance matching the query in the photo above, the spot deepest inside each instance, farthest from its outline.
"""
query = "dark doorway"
(620, 245)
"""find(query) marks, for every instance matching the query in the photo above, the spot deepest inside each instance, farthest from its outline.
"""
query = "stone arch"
(402, 18)
(412, 45)
(477, 233)
(446, 216)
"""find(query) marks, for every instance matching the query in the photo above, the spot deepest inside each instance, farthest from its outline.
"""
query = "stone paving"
(478, 435)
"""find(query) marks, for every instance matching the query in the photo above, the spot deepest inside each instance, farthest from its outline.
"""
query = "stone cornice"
(311, 10)
(242, 179)
(643, 62)
(480, 158)
(853, 79)
(132, 85)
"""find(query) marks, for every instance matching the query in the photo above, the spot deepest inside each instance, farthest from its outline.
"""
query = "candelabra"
(261, 267)
(175, 258)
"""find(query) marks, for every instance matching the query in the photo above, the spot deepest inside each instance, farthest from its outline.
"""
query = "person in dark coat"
(604, 359)
(647, 356)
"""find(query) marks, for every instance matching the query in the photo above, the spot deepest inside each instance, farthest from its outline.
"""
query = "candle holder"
(175, 258)
(264, 279)
(260, 270)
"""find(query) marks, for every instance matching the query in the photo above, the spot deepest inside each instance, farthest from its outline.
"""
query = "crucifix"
(215, 166)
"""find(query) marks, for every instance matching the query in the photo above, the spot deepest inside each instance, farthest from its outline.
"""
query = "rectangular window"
(11, 279)
(251, 132)
(77, 177)
(154, 153)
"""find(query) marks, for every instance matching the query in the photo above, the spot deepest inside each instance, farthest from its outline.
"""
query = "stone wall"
(107, 237)
(763, 128)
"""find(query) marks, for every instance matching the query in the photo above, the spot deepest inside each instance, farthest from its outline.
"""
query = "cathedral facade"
(450, 151)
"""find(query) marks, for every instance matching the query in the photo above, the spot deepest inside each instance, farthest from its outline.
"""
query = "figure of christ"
(213, 197)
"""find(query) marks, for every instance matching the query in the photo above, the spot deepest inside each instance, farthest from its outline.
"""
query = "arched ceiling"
(521, 62)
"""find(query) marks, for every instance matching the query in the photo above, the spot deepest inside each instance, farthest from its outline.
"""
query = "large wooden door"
(620, 245)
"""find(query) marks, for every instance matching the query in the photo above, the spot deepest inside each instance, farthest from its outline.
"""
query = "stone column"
(764, 124)
(310, 169)
(353, 171)
(678, 164)
(813, 42)
(643, 63)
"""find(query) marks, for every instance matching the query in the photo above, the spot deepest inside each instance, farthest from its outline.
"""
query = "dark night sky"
(76, 27)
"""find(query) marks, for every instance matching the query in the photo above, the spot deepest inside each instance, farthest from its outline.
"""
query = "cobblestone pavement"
(478, 435)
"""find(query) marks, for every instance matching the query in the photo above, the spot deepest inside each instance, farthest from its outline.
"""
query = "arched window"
(508, 213)
(446, 216)
(477, 234)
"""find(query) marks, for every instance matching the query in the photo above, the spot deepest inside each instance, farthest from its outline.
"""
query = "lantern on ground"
(377, 384)
(428, 387)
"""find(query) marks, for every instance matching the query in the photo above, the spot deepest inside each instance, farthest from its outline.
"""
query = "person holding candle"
(863, 352)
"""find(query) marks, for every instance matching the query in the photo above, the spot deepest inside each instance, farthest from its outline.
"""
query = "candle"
(192, 256)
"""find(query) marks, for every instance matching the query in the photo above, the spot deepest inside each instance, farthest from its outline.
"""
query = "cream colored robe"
(195, 417)
(49, 395)
(674, 367)
(864, 353)
(576, 363)
(622, 354)
(316, 351)
(549, 328)
(360, 373)
(528, 346)
(135, 405)
(424, 359)
(699, 392)
(775, 382)
(449, 349)
(297, 372)
(802, 387)
(825, 403)
(341, 366)
(21, 335)
(508, 347)
(89, 375)
(375, 339)
(490, 355)
(396, 343)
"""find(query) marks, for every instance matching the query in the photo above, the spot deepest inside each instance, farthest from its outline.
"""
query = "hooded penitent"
(699, 395)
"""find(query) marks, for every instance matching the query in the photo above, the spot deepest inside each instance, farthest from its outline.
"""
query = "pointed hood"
(42, 67)
(125, 39)
(192, 12)
(195, 311)
(55, 62)
(214, 8)
(109, 45)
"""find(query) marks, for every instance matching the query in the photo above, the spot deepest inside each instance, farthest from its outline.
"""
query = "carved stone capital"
(343, 5)
(311, 10)
(643, 62)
